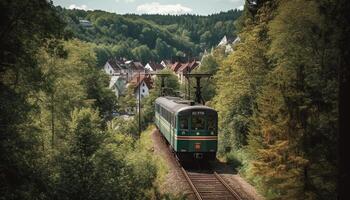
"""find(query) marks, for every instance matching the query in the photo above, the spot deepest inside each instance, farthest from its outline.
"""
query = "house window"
(110, 71)
(143, 90)
(143, 84)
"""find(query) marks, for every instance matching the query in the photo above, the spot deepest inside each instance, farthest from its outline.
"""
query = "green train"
(190, 129)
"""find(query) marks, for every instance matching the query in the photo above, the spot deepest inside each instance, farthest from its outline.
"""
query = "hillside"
(150, 37)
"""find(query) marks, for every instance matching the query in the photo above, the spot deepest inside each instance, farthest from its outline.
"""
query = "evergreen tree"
(293, 106)
(78, 175)
(24, 27)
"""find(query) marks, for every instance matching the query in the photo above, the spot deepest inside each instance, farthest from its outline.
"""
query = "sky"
(201, 7)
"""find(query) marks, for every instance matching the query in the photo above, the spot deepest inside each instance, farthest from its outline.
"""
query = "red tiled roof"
(189, 66)
(137, 80)
(184, 67)
(176, 66)
(193, 65)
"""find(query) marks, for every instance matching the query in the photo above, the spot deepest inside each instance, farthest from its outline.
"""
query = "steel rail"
(234, 193)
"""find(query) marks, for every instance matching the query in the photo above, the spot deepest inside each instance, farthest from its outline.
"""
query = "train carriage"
(191, 129)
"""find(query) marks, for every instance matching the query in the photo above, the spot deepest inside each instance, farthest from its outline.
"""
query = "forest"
(149, 37)
(279, 94)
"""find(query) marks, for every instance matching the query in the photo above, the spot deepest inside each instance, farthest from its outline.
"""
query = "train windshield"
(183, 122)
(198, 122)
(211, 123)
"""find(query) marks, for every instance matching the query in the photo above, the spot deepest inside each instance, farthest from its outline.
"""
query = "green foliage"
(69, 82)
(209, 64)
(127, 102)
(23, 29)
(77, 177)
(101, 164)
(277, 97)
(171, 83)
(275, 92)
(150, 37)
(143, 53)
(238, 83)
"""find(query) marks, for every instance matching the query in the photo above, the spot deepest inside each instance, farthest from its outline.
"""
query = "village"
(126, 73)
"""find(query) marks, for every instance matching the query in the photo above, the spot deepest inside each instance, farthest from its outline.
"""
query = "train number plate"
(198, 113)
(197, 146)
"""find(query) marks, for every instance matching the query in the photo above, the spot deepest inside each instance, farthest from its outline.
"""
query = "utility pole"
(139, 94)
(139, 103)
(162, 86)
(188, 85)
(199, 98)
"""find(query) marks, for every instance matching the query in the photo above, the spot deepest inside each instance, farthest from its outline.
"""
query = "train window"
(183, 122)
(198, 122)
(211, 123)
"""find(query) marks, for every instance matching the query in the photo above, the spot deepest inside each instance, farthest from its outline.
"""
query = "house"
(176, 66)
(166, 63)
(123, 67)
(186, 68)
(118, 85)
(236, 41)
(114, 67)
(153, 67)
(142, 84)
(85, 23)
(223, 41)
(228, 44)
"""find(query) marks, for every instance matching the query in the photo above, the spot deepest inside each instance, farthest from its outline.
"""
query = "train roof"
(177, 104)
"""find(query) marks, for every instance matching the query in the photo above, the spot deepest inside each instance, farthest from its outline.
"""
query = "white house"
(153, 67)
(114, 67)
(228, 44)
(223, 41)
(144, 90)
(166, 63)
(123, 67)
(142, 84)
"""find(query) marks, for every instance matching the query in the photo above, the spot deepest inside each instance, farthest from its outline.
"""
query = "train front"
(197, 133)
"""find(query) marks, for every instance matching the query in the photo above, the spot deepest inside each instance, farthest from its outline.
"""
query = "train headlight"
(212, 133)
(197, 133)
(183, 133)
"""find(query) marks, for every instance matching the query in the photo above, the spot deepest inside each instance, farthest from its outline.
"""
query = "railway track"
(207, 184)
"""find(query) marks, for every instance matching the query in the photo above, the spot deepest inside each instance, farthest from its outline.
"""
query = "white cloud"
(82, 7)
(126, 1)
(157, 8)
(240, 7)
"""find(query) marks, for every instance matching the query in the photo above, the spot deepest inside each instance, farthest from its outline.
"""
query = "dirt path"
(176, 183)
